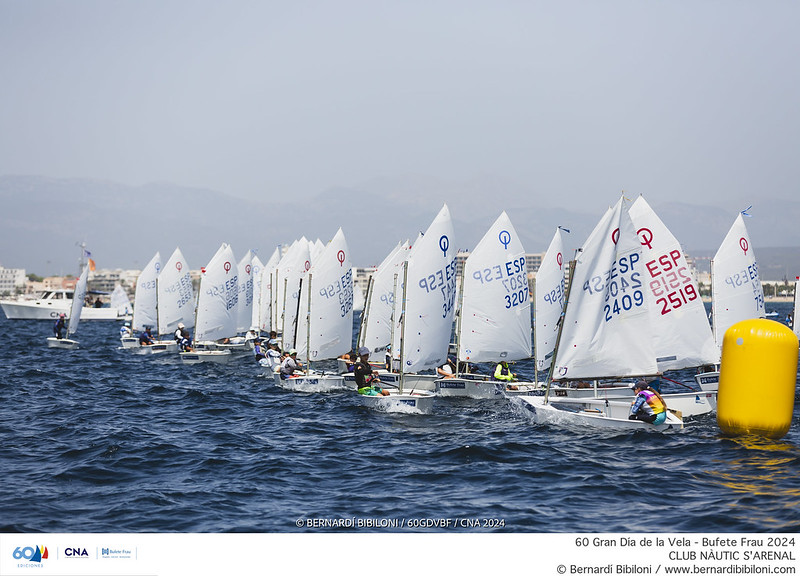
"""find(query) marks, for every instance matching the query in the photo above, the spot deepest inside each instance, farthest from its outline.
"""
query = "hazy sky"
(688, 100)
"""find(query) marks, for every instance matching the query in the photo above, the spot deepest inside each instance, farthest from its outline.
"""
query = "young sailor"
(365, 376)
(648, 406)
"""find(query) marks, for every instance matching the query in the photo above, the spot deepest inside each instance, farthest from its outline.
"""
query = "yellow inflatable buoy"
(758, 372)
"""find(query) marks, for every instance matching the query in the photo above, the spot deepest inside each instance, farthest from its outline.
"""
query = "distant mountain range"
(43, 220)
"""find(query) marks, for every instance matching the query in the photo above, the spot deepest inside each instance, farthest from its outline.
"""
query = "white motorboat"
(51, 303)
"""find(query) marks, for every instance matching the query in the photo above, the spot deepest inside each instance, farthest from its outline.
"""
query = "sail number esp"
(512, 276)
(621, 285)
(443, 280)
(343, 289)
(671, 284)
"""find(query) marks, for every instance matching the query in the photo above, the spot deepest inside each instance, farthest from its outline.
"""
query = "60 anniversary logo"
(30, 553)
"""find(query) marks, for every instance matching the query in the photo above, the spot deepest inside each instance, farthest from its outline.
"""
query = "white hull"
(160, 346)
(199, 357)
(314, 382)
(63, 343)
(234, 346)
(523, 389)
(129, 342)
(50, 309)
(417, 403)
(468, 388)
(708, 381)
(594, 413)
(687, 403)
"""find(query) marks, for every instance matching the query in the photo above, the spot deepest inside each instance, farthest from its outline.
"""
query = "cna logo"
(30, 553)
(76, 553)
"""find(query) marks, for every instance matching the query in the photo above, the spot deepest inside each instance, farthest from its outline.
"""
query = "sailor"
(648, 406)
(366, 376)
(146, 337)
(448, 369)
(60, 326)
(348, 358)
(290, 365)
(182, 338)
(125, 331)
(258, 351)
(273, 355)
(504, 373)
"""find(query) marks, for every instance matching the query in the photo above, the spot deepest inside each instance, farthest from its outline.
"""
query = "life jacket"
(502, 372)
(654, 401)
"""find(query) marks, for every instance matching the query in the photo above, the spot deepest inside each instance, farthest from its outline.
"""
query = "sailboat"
(375, 331)
(682, 335)
(736, 291)
(120, 301)
(244, 307)
(216, 313)
(494, 321)
(74, 315)
(606, 332)
(424, 323)
(286, 290)
(145, 308)
(325, 318)
(174, 303)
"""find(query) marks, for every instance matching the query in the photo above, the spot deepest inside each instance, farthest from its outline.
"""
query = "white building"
(11, 280)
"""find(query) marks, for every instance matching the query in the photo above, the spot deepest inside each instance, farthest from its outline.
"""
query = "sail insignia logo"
(31, 553)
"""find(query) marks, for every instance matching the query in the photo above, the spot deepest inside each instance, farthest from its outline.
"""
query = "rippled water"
(103, 440)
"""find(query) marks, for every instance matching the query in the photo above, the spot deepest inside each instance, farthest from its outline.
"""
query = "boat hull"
(62, 343)
(593, 413)
(421, 402)
(202, 356)
(468, 388)
(687, 403)
(50, 310)
(159, 347)
(314, 382)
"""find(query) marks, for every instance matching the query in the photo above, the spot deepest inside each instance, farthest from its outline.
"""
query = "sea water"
(106, 440)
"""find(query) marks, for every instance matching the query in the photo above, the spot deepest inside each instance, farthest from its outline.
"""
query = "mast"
(458, 323)
(535, 347)
(364, 315)
(283, 313)
(403, 323)
(713, 306)
(391, 332)
(560, 329)
(308, 323)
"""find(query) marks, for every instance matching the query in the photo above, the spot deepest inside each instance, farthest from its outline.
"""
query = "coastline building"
(12, 280)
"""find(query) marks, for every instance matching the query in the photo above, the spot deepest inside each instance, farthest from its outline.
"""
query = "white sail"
(495, 321)
(218, 296)
(292, 267)
(120, 300)
(429, 297)
(683, 336)
(377, 330)
(245, 306)
(607, 326)
(325, 330)
(736, 292)
(258, 278)
(549, 300)
(145, 297)
(175, 295)
(263, 319)
(359, 298)
(78, 299)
